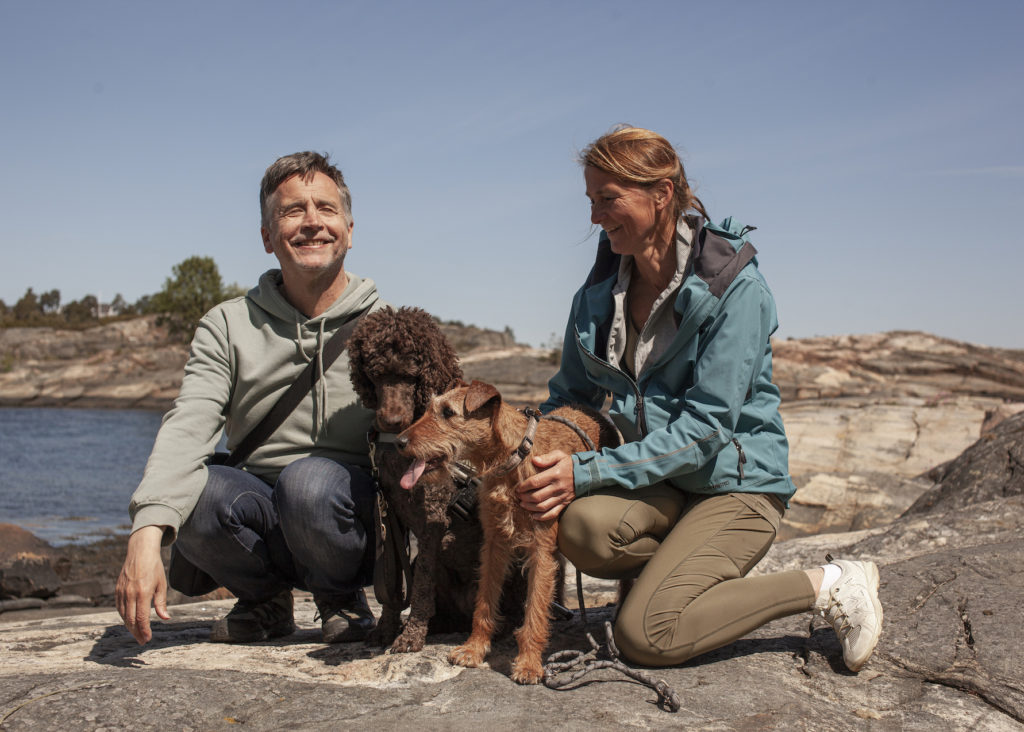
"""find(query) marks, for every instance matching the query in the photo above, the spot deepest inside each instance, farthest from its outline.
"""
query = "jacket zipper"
(638, 411)
(743, 457)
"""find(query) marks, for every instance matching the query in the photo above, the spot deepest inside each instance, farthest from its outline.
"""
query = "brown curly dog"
(398, 360)
(472, 423)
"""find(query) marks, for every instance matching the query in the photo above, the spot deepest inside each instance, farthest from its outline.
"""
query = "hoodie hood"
(311, 334)
(358, 295)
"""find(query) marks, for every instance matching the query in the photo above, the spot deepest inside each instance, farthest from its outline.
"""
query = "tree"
(233, 290)
(195, 288)
(50, 301)
(27, 308)
(118, 306)
(144, 305)
(81, 311)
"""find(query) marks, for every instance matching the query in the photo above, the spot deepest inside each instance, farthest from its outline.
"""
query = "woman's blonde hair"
(643, 157)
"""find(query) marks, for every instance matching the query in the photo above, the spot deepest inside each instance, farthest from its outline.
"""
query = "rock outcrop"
(126, 364)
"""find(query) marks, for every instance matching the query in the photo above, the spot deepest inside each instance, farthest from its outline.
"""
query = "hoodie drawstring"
(320, 408)
(320, 389)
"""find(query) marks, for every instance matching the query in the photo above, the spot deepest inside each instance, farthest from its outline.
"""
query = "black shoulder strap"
(295, 393)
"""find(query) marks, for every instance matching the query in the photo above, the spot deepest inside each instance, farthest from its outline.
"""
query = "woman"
(674, 324)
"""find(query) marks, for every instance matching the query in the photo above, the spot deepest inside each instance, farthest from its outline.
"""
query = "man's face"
(307, 229)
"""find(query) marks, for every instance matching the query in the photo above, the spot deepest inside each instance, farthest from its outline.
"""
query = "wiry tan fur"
(472, 424)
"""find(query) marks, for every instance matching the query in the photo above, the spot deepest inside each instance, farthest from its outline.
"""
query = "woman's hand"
(546, 494)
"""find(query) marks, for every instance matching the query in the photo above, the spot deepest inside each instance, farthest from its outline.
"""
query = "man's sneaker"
(345, 619)
(256, 621)
(851, 606)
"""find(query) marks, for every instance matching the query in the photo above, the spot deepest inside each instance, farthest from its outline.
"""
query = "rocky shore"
(952, 587)
(908, 449)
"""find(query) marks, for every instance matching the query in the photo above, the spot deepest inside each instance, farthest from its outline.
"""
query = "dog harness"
(526, 445)
(462, 504)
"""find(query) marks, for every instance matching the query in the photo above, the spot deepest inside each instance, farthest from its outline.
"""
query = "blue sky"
(877, 146)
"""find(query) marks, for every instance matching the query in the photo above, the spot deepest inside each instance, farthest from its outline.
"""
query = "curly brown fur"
(398, 360)
(471, 423)
(406, 347)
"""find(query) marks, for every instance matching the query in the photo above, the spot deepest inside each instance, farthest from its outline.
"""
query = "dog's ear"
(479, 394)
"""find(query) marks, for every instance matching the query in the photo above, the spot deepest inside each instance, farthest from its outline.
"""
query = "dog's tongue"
(413, 473)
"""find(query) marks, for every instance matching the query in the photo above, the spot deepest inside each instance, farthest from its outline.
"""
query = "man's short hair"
(305, 164)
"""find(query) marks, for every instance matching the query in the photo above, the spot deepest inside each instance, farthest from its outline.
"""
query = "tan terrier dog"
(472, 424)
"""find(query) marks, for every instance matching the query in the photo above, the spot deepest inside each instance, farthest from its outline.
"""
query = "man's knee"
(312, 481)
(318, 487)
(231, 498)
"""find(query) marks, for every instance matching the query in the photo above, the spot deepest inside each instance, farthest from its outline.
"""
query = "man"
(298, 511)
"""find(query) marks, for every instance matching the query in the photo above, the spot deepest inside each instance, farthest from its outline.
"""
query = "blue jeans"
(312, 530)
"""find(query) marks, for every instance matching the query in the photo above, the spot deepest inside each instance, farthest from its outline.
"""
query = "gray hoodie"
(245, 353)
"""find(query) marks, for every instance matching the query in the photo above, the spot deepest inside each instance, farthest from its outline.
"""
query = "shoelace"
(835, 611)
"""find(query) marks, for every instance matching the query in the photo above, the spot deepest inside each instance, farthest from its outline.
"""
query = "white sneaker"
(851, 606)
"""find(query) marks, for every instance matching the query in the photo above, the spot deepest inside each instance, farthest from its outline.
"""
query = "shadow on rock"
(117, 647)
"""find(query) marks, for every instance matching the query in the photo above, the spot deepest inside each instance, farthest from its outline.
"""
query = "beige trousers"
(690, 555)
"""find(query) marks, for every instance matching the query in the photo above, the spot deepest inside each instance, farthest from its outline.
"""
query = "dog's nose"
(402, 441)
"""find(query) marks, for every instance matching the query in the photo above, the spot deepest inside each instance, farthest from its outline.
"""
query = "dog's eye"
(447, 412)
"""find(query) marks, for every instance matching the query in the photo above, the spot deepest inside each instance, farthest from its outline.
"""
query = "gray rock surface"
(952, 588)
(991, 468)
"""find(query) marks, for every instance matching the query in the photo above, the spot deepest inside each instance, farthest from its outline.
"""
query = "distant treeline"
(194, 287)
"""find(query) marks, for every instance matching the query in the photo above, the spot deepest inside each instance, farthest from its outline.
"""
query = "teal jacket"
(705, 415)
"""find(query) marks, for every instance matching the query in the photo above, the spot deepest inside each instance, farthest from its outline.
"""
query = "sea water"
(66, 475)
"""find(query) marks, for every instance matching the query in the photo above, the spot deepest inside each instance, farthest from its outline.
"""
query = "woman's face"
(628, 212)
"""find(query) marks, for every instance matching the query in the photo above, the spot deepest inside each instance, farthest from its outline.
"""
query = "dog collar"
(526, 445)
(374, 439)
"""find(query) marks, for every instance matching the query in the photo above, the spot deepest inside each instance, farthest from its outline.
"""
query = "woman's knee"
(582, 539)
(636, 645)
(613, 533)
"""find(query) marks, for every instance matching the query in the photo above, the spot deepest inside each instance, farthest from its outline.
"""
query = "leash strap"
(286, 404)
(574, 427)
(392, 569)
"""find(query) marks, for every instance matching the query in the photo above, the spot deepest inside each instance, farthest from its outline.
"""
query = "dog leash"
(392, 569)
(581, 664)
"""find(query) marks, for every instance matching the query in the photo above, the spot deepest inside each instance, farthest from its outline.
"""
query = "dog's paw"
(467, 655)
(408, 642)
(527, 672)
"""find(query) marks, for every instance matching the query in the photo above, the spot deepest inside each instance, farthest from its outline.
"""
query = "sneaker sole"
(871, 571)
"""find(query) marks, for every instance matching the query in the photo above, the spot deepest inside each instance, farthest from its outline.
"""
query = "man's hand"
(142, 582)
(546, 494)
